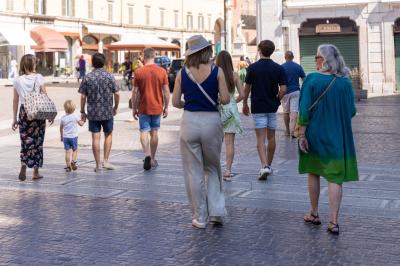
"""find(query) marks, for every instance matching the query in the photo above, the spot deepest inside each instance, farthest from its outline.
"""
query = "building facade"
(367, 32)
(90, 25)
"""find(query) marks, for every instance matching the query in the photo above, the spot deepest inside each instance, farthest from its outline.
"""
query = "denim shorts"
(70, 143)
(149, 122)
(265, 120)
(107, 125)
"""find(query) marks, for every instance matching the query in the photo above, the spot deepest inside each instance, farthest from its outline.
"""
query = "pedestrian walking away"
(81, 68)
(242, 68)
(290, 102)
(266, 81)
(233, 125)
(150, 100)
(101, 94)
(325, 132)
(69, 135)
(31, 131)
(201, 133)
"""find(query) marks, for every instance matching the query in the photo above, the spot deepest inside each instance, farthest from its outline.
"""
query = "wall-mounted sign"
(328, 28)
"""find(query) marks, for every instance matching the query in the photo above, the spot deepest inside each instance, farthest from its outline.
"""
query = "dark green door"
(347, 44)
(397, 57)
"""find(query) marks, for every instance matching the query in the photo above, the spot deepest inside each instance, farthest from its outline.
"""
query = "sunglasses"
(318, 57)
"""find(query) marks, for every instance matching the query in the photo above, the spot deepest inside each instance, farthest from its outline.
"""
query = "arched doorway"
(90, 44)
(341, 32)
(218, 38)
(396, 29)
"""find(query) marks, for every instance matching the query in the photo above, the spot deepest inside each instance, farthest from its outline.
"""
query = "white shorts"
(290, 102)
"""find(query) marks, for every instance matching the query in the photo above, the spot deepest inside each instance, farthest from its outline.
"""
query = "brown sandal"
(314, 219)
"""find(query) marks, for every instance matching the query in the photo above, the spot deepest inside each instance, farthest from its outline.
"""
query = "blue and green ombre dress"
(329, 133)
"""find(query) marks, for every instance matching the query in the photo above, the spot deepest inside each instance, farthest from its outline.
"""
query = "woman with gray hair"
(325, 132)
(201, 83)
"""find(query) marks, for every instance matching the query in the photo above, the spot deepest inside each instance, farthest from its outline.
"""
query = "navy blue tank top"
(195, 100)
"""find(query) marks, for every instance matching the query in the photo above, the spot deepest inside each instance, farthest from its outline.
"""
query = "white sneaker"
(264, 173)
(197, 224)
(108, 166)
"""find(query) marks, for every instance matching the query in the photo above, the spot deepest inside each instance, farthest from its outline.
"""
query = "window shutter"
(64, 7)
(72, 8)
(36, 7)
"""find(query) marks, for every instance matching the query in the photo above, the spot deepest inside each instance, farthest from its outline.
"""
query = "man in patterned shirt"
(99, 90)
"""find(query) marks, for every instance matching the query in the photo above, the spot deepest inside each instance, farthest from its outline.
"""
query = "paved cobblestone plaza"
(129, 217)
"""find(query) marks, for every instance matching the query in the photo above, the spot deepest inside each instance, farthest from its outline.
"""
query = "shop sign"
(328, 28)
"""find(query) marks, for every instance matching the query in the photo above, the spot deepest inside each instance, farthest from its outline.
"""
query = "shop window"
(68, 8)
(108, 40)
(89, 39)
(40, 7)
(90, 9)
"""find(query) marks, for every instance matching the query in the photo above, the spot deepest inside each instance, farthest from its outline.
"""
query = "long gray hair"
(334, 62)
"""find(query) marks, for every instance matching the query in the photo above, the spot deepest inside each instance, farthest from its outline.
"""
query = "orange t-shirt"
(150, 80)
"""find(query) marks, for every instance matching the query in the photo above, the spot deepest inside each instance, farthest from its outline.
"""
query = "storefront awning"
(15, 37)
(48, 40)
(136, 41)
(99, 29)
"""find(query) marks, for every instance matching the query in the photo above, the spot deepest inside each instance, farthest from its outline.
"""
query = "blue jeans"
(70, 143)
(265, 120)
(149, 122)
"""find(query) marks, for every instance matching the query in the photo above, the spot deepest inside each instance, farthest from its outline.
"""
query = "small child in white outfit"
(69, 134)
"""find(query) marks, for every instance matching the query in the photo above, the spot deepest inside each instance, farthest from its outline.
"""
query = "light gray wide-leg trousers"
(201, 138)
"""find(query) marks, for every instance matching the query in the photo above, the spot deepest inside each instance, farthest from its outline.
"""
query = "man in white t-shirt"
(69, 134)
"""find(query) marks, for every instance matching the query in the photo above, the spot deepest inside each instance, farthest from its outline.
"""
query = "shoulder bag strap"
(322, 94)
(34, 85)
(200, 87)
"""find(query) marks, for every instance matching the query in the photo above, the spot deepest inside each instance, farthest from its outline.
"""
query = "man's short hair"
(289, 55)
(98, 60)
(266, 47)
(149, 53)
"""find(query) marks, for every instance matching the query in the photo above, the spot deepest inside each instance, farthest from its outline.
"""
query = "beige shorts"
(290, 102)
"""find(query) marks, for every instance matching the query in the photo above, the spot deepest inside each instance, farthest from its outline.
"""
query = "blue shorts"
(149, 122)
(70, 143)
(265, 120)
(107, 125)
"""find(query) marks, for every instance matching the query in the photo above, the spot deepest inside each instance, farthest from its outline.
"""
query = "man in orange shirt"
(150, 99)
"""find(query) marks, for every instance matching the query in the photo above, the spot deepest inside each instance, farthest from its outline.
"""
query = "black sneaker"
(147, 163)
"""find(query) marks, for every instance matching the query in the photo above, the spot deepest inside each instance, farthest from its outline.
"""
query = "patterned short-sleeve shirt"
(99, 87)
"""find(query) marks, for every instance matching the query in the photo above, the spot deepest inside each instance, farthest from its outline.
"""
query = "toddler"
(69, 134)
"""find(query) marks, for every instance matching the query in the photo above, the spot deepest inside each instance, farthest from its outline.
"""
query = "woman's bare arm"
(177, 94)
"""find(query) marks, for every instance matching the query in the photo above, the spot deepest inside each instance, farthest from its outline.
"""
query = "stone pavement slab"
(55, 229)
(131, 217)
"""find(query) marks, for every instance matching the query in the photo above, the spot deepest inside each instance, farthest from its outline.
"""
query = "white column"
(228, 23)
(101, 46)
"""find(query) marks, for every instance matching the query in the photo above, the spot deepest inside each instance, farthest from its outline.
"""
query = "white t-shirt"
(70, 124)
(24, 85)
